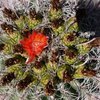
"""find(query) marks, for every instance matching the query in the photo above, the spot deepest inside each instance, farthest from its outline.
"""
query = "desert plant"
(44, 54)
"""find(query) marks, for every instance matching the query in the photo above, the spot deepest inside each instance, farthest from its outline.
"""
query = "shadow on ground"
(88, 16)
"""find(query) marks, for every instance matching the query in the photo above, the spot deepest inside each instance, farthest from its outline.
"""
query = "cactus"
(42, 53)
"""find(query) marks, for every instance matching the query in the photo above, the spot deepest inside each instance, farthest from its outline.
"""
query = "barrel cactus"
(44, 55)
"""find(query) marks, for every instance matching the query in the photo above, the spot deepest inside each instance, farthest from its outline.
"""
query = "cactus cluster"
(44, 54)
